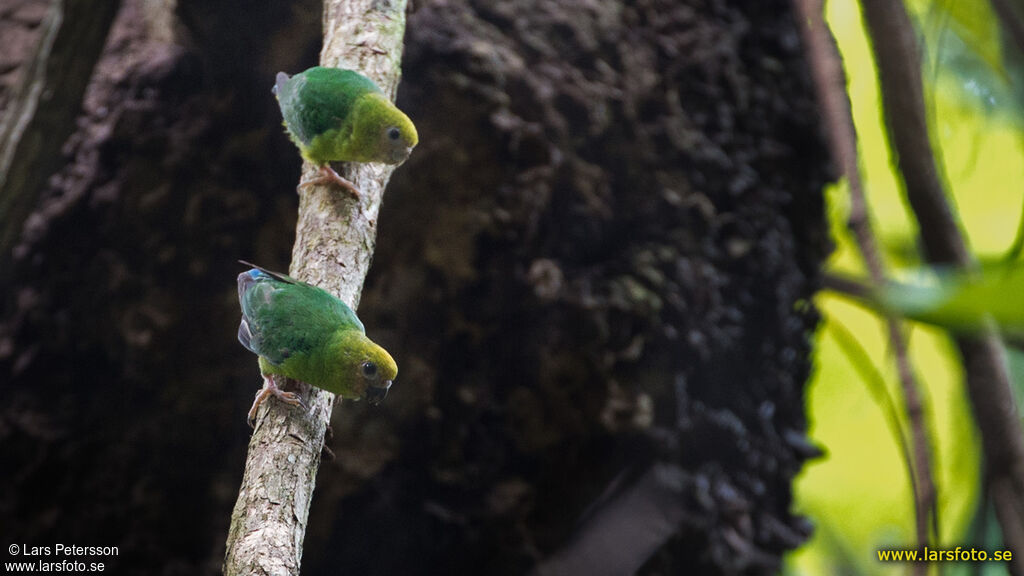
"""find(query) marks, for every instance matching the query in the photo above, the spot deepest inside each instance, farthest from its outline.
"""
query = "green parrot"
(304, 333)
(341, 115)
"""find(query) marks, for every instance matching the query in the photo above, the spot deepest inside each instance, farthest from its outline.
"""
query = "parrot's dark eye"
(394, 133)
(369, 369)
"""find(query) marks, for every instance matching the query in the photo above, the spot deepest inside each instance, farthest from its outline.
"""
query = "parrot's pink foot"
(329, 176)
(270, 389)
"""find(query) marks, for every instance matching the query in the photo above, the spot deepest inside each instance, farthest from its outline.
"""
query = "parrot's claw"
(270, 389)
(329, 176)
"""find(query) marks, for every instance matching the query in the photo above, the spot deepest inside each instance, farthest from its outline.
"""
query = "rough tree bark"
(334, 244)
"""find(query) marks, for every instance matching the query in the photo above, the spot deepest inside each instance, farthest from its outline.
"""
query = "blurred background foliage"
(859, 494)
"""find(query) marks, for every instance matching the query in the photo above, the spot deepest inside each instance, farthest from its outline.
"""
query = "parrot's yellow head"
(366, 370)
(387, 130)
(377, 372)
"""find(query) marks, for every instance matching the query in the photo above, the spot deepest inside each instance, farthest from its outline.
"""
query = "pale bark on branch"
(335, 238)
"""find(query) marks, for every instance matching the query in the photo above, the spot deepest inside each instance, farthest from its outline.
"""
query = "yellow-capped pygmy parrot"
(303, 332)
(341, 115)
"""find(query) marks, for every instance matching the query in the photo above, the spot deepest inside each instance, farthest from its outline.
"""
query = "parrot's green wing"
(283, 317)
(319, 99)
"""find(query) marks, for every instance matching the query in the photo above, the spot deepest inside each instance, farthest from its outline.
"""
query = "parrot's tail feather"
(258, 271)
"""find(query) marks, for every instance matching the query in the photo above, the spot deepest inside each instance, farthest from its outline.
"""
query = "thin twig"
(899, 72)
(988, 379)
(334, 243)
(826, 67)
(855, 289)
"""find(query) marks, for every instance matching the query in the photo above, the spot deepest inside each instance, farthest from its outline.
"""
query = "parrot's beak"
(400, 156)
(376, 394)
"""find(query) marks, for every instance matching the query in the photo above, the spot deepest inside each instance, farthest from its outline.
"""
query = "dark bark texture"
(597, 264)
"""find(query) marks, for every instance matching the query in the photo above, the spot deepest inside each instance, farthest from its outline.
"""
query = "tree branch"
(829, 80)
(899, 74)
(43, 110)
(334, 244)
(988, 379)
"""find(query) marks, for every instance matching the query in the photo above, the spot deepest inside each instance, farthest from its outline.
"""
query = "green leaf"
(960, 301)
(969, 58)
(976, 26)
